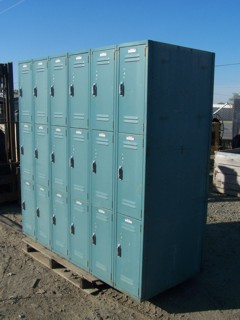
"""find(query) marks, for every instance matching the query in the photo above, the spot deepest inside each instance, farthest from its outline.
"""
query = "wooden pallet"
(78, 277)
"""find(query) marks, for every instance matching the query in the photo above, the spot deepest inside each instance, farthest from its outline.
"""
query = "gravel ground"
(30, 291)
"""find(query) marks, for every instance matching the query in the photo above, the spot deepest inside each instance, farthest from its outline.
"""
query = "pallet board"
(226, 176)
(62, 267)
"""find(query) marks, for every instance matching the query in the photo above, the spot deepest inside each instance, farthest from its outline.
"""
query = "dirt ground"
(28, 290)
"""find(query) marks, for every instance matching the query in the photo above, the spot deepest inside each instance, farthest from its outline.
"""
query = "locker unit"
(59, 90)
(79, 90)
(25, 92)
(120, 177)
(40, 91)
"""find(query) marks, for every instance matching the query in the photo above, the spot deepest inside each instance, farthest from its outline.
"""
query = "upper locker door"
(41, 154)
(130, 175)
(132, 86)
(78, 162)
(26, 151)
(102, 169)
(103, 84)
(78, 90)
(58, 90)
(40, 90)
(25, 92)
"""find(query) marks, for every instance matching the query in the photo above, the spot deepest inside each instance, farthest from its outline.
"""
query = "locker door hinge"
(20, 92)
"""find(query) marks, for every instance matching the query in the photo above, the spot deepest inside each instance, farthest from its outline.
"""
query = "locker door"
(60, 223)
(78, 162)
(79, 90)
(58, 158)
(41, 154)
(58, 90)
(128, 255)
(103, 83)
(102, 167)
(25, 92)
(40, 90)
(28, 207)
(79, 234)
(42, 212)
(132, 88)
(26, 151)
(102, 244)
(130, 177)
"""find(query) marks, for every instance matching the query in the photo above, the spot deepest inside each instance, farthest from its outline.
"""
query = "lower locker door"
(43, 215)
(128, 260)
(79, 234)
(60, 223)
(101, 255)
(28, 208)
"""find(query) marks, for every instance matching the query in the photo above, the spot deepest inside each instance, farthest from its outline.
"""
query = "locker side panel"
(79, 234)
(130, 175)
(78, 162)
(102, 169)
(43, 215)
(58, 158)
(58, 90)
(103, 83)
(132, 70)
(41, 154)
(28, 207)
(59, 223)
(101, 249)
(128, 260)
(40, 91)
(79, 90)
(26, 151)
(25, 92)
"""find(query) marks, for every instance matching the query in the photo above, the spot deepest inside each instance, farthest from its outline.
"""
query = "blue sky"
(38, 28)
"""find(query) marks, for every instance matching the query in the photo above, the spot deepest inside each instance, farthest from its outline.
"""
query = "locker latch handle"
(71, 90)
(20, 92)
(22, 150)
(35, 91)
(23, 205)
(121, 89)
(94, 89)
(52, 157)
(72, 228)
(119, 250)
(36, 153)
(38, 212)
(120, 173)
(94, 239)
(52, 91)
(94, 167)
(54, 219)
(72, 162)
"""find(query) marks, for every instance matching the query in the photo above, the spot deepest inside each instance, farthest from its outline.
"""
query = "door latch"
(36, 153)
(119, 250)
(72, 162)
(54, 219)
(22, 150)
(94, 166)
(72, 228)
(71, 90)
(121, 89)
(52, 91)
(94, 89)
(20, 92)
(35, 91)
(52, 157)
(38, 212)
(94, 239)
(23, 205)
(120, 173)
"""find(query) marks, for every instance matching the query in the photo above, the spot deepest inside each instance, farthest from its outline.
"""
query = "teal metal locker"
(128, 252)
(79, 90)
(132, 86)
(28, 207)
(59, 158)
(60, 223)
(27, 151)
(79, 164)
(103, 89)
(59, 90)
(79, 234)
(41, 155)
(130, 174)
(102, 169)
(41, 91)
(101, 248)
(43, 214)
(26, 110)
